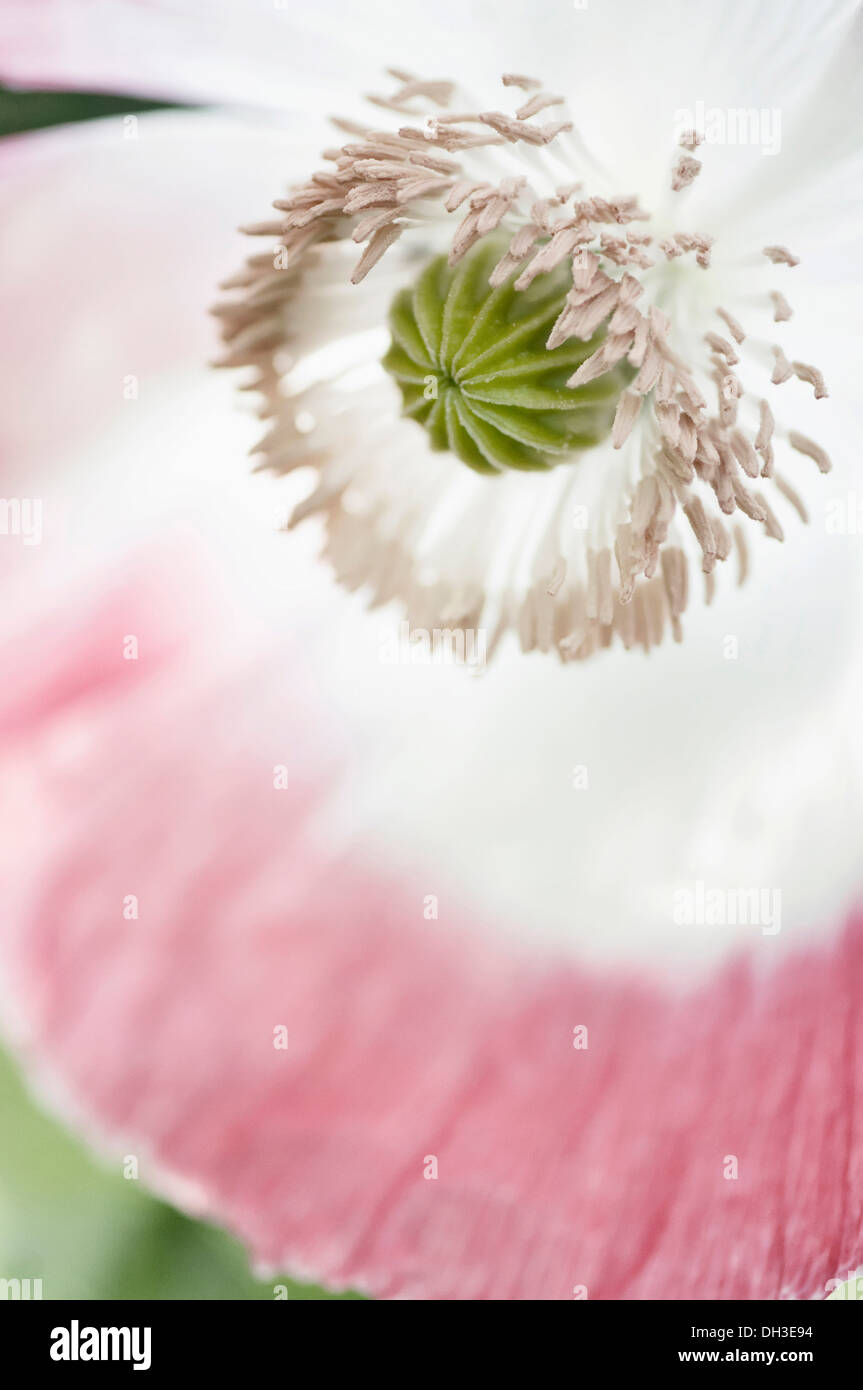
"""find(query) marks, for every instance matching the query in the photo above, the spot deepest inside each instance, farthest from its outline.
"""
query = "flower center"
(473, 367)
(546, 331)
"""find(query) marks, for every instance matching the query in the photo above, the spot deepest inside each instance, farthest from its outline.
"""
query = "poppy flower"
(540, 983)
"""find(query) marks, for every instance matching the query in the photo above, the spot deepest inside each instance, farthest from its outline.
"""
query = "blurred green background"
(21, 111)
(87, 1232)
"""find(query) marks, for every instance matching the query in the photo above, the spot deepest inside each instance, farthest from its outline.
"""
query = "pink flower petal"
(115, 238)
(559, 1168)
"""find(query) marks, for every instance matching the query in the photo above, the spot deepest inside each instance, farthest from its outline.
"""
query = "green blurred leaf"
(26, 110)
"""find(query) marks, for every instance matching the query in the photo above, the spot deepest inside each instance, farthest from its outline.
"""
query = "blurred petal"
(195, 50)
(449, 1119)
(614, 55)
(154, 233)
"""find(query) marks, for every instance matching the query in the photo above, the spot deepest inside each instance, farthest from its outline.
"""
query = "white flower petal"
(743, 772)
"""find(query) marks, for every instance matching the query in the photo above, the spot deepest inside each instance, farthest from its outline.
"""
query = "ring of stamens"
(692, 461)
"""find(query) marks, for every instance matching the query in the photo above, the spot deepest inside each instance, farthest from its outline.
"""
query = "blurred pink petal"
(149, 218)
(408, 1039)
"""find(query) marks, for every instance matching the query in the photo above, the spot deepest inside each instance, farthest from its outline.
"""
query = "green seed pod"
(473, 368)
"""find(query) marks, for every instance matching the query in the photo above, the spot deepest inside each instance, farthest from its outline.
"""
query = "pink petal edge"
(408, 1039)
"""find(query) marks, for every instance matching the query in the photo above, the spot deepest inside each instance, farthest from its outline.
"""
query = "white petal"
(739, 772)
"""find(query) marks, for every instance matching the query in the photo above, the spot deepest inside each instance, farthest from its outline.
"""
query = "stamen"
(723, 347)
(730, 391)
(804, 372)
(781, 308)
(557, 577)
(681, 242)
(783, 370)
(515, 130)
(540, 102)
(793, 497)
(684, 172)
(765, 426)
(379, 243)
(780, 255)
(438, 92)
(733, 326)
(693, 510)
(807, 446)
(514, 79)
(524, 346)
(625, 417)
(771, 525)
